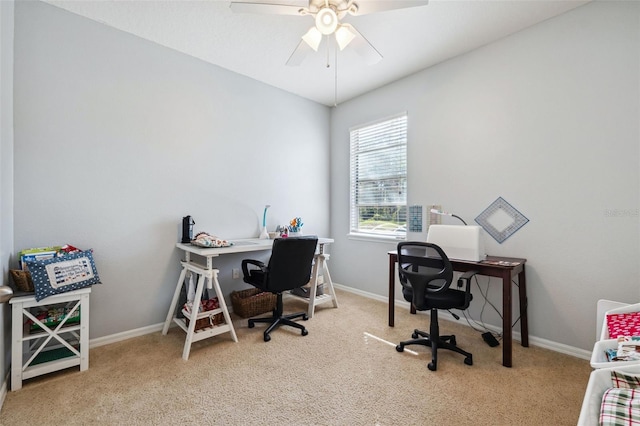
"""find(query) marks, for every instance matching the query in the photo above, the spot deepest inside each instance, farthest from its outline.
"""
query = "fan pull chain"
(335, 70)
(327, 44)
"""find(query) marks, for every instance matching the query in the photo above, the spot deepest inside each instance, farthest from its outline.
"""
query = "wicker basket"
(252, 302)
(206, 322)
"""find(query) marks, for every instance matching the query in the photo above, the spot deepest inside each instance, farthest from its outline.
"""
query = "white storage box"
(604, 334)
(599, 358)
(599, 382)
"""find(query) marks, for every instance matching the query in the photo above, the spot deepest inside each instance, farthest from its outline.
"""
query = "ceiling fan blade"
(267, 8)
(374, 6)
(299, 54)
(362, 46)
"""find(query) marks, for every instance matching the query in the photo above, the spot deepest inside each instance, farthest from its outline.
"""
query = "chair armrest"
(465, 280)
(247, 262)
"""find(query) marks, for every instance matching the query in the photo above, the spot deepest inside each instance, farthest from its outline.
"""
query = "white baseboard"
(118, 337)
(535, 341)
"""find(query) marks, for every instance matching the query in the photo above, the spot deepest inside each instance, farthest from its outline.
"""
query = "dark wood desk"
(506, 272)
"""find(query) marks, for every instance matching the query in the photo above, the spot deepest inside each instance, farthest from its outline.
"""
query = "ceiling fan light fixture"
(326, 20)
(344, 36)
(313, 37)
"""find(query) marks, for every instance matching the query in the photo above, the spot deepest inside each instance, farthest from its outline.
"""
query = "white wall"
(548, 119)
(6, 171)
(117, 138)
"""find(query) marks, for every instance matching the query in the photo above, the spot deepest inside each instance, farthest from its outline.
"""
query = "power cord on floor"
(492, 338)
(480, 326)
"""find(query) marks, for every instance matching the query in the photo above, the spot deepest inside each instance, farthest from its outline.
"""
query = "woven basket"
(251, 302)
(206, 322)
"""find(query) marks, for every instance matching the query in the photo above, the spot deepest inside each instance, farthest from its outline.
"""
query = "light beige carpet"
(337, 375)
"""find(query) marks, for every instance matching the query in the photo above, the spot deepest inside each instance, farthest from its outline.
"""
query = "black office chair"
(289, 267)
(426, 275)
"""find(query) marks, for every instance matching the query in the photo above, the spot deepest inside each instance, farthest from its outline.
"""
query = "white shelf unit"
(54, 348)
(203, 273)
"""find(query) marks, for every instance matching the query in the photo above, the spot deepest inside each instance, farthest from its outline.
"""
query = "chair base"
(278, 320)
(435, 341)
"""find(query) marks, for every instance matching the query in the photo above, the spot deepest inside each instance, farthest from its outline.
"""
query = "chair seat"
(449, 299)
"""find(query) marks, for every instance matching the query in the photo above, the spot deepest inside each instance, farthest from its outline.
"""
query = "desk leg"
(328, 282)
(320, 264)
(524, 321)
(223, 304)
(392, 289)
(192, 324)
(172, 309)
(507, 338)
(314, 286)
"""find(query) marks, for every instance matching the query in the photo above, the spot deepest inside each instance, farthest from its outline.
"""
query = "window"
(379, 178)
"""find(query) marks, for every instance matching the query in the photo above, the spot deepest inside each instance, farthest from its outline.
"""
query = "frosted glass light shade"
(344, 36)
(313, 37)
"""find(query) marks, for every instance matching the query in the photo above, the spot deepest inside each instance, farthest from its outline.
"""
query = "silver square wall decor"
(501, 220)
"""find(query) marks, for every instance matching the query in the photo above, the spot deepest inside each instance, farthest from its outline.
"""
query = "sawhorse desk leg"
(320, 264)
(203, 274)
(174, 302)
(192, 324)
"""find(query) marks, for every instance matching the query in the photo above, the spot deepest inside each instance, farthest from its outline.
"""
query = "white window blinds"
(379, 177)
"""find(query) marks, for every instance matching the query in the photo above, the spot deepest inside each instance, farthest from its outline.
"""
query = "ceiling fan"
(328, 15)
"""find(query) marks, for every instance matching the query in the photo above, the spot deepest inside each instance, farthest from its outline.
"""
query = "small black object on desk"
(187, 229)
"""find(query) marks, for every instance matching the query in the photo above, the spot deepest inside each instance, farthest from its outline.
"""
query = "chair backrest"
(424, 268)
(290, 263)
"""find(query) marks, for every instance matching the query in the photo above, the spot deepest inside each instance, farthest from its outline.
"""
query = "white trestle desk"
(206, 273)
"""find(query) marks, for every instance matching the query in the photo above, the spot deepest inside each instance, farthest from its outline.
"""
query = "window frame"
(398, 128)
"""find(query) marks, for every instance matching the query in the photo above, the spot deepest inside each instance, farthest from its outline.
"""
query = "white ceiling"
(258, 46)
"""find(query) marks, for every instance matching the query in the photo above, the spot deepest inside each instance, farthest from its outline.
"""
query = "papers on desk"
(500, 262)
(243, 243)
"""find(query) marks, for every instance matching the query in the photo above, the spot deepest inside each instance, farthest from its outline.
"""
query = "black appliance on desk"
(187, 229)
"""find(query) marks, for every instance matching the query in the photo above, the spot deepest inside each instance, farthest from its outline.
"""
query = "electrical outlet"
(235, 273)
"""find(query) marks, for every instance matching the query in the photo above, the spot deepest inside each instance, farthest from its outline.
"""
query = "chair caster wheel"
(251, 325)
(304, 332)
(414, 335)
(400, 348)
(305, 317)
(468, 360)
(267, 338)
(453, 340)
(432, 366)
